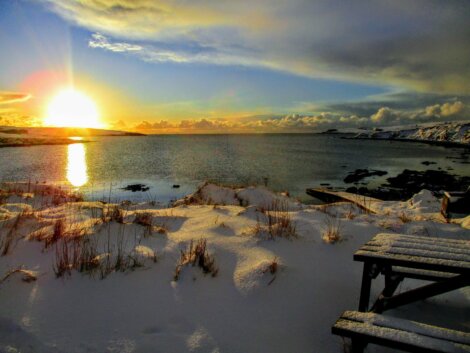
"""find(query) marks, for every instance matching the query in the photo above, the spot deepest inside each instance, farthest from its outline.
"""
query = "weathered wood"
(425, 275)
(427, 253)
(392, 280)
(363, 202)
(365, 287)
(462, 249)
(421, 293)
(403, 250)
(397, 333)
(458, 267)
(401, 256)
(419, 238)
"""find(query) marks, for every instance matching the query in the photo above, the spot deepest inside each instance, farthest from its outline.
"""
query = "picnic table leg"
(365, 287)
(357, 345)
(392, 280)
(424, 292)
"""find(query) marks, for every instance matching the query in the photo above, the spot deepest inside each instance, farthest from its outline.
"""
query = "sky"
(202, 66)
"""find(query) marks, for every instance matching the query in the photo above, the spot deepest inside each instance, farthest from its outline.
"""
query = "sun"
(72, 108)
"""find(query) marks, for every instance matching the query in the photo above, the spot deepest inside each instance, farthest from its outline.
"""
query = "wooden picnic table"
(446, 262)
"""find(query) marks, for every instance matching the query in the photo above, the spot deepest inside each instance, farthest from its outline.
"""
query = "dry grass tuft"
(3, 197)
(279, 222)
(272, 267)
(6, 240)
(404, 218)
(350, 214)
(116, 214)
(145, 219)
(58, 233)
(27, 275)
(196, 255)
(331, 230)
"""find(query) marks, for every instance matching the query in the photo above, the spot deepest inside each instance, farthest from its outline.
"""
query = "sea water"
(283, 162)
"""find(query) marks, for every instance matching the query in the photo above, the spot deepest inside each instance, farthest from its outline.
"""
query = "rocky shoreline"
(402, 186)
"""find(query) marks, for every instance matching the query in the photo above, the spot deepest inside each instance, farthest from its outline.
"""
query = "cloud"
(445, 110)
(421, 44)
(10, 114)
(384, 116)
(11, 118)
(13, 97)
(161, 52)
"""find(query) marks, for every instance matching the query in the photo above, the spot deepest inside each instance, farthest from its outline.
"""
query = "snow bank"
(454, 132)
(425, 202)
(120, 292)
(212, 194)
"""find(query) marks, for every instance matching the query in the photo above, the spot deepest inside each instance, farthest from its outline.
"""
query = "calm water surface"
(289, 162)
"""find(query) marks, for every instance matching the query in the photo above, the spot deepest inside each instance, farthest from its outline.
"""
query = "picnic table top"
(429, 253)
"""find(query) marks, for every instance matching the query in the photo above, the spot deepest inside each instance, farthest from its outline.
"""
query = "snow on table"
(405, 332)
(449, 255)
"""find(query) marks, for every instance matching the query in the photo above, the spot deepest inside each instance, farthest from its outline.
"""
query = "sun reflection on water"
(76, 164)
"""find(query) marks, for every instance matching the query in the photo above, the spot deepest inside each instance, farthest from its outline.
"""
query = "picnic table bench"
(445, 262)
(400, 334)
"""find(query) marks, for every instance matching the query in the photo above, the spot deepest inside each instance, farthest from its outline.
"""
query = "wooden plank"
(430, 247)
(425, 242)
(396, 339)
(437, 255)
(422, 274)
(363, 202)
(421, 293)
(420, 239)
(407, 325)
(425, 263)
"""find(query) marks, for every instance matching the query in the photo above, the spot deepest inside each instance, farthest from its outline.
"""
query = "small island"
(33, 136)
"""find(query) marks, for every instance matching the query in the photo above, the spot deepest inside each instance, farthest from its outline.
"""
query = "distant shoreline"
(45, 143)
(428, 142)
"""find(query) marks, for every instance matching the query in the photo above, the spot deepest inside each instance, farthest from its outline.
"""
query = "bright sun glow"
(71, 108)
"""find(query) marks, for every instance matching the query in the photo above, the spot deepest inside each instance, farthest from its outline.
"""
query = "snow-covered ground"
(279, 273)
(453, 132)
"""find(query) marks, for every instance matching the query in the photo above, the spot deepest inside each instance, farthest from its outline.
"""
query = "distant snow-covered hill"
(449, 132)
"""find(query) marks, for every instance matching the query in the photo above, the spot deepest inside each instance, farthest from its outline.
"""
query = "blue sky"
(259, 65)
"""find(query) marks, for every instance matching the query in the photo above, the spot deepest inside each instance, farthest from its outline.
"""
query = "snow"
(278, 293)
(454, 132)
(414, 333)
(212, 194)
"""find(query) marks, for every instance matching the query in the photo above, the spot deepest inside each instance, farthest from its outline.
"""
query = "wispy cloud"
(421, 44)
(13, 97)
(177, 53)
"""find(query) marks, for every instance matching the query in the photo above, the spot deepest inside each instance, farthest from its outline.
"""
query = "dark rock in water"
(360, 174)
(324, 184)
(428, 163)
(175, 186)
(409, 182)
(136, 187)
